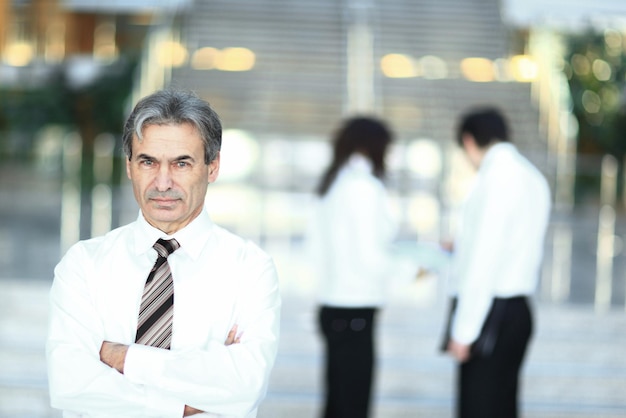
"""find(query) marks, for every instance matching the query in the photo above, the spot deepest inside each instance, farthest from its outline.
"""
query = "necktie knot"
(166, 247)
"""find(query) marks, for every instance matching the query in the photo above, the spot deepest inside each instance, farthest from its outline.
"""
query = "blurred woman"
(350, 236)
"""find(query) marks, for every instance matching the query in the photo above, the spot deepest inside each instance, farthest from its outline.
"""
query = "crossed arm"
(114, 355)
(88, 376)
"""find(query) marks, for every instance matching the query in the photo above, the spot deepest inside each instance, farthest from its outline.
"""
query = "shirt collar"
(359, 162)
(191, 238)
(497, 149)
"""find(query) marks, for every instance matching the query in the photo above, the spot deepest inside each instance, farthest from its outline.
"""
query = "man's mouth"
(164, 202)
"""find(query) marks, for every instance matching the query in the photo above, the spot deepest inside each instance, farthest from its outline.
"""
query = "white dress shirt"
(350, 238)
(499, 247)
(219, 280)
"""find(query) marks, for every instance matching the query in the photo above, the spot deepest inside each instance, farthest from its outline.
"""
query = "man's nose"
(163, 180)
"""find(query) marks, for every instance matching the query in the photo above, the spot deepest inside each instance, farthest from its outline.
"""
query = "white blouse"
(350, 238)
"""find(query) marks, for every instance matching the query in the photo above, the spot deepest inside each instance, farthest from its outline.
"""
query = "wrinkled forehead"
(168, 139)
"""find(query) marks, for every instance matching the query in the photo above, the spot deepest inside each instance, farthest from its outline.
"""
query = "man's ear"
(214, 169)
(128, 168)
(472, 150)
(469, 142)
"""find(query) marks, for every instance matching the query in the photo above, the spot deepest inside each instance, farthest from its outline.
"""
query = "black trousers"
(348, 336)
(488, 386)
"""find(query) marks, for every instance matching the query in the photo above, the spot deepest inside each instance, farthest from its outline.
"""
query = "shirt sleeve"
(78, 380)
(224, 380)
(487, 223)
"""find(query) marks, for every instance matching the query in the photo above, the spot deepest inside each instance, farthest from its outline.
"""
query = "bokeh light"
(591, 101)
(19, 54)
(235, 59)
(601, 70)
(172, 54)
(398, 66)
(478, 69)
(239, 155)
(524, 68)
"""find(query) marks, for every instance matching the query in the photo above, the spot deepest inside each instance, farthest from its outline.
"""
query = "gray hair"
(174, 107)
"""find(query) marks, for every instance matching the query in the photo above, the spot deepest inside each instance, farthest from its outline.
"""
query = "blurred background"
(283, 74)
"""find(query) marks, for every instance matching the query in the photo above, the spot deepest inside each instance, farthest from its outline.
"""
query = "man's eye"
(182, 164)
(146, 162)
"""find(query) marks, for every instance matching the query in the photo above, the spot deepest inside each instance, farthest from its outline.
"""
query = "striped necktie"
(156, 312)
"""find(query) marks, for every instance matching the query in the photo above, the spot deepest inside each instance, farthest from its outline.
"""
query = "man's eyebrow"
(183, 157)
(144, 157)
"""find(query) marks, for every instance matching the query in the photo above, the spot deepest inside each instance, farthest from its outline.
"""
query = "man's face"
(169, 176)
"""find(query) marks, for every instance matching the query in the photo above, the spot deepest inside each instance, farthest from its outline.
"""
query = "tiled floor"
(576, 366)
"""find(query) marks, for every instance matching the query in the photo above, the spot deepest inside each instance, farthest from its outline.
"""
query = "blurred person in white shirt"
(226, 309)
(351, 235)
(497, 256)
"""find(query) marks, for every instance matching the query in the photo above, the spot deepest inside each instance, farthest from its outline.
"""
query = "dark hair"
(174, 107)
(486, 125)
(366, 135)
